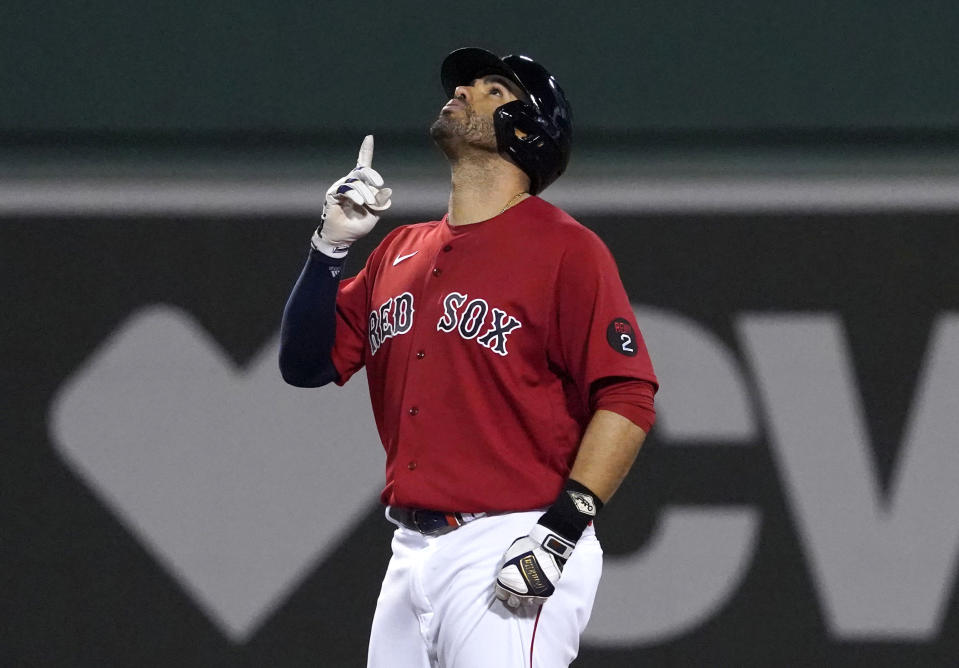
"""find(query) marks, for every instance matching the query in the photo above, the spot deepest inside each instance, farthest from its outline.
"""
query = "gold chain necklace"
(511, 200)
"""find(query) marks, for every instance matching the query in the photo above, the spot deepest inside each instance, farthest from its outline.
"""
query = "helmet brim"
(464, 65)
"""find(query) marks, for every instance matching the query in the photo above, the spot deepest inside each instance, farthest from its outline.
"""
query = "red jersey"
(481, 343)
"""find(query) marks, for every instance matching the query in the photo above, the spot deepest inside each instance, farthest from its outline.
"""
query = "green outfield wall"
(289, 68)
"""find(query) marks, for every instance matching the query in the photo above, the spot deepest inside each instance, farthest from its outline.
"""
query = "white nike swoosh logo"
(400, 258)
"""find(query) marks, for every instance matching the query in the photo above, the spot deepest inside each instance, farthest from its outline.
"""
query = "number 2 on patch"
(621, 337)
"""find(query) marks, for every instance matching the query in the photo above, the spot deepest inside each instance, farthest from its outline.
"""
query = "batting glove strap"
(553, 543)
(335, 251)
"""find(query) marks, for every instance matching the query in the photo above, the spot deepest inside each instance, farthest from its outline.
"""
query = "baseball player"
(509, 381)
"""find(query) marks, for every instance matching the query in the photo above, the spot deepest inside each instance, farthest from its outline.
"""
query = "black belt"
(430, 522)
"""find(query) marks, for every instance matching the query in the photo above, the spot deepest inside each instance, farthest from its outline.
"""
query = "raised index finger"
(365, 158)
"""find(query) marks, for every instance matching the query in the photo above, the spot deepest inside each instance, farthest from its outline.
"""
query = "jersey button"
(414, 410)
(421, 354)
(411, 466)
(437, 271)
(447, 248)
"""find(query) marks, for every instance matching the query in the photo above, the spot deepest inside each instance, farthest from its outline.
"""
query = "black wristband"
(575, 507)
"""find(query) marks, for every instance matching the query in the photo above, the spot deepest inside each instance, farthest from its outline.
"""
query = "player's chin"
(445, 128)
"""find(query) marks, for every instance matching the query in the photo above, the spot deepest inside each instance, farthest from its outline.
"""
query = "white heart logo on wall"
(222, 473)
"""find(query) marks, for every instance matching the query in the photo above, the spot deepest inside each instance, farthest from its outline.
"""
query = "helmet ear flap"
(513, 116)
(520, 135)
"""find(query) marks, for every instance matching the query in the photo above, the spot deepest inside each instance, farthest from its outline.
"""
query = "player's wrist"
(333, 249)
(574, 508)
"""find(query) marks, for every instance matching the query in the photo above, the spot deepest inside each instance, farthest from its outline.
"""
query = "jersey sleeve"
(594, 334)
(352, 315)
(628, 397)
(349, 345)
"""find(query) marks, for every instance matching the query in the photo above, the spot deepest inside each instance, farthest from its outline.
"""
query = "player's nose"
(463, 93)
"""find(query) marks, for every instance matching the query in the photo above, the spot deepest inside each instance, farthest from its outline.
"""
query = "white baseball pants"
(437, 609)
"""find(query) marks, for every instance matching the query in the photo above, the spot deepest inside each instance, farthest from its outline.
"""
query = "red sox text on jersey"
(395, 317)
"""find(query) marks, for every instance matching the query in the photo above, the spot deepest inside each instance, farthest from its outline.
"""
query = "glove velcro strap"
(552, 542)
(328, 249)
(575, 507)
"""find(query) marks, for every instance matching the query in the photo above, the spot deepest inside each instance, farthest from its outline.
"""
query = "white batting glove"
(532, 566)
(352, 205)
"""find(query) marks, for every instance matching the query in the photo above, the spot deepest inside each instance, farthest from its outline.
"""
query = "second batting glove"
(532, 567)
(533, 563)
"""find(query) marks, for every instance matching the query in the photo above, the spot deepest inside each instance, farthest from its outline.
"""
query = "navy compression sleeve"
(309, 324)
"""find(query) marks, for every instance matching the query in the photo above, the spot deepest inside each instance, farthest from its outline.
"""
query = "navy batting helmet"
(544, 119)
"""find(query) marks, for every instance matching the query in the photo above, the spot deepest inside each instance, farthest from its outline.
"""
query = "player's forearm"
(606, 453)
(309, 325)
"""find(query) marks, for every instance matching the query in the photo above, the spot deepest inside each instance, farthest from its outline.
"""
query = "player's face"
(468, 116)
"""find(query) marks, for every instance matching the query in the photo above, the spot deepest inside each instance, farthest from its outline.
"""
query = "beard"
(452, 133)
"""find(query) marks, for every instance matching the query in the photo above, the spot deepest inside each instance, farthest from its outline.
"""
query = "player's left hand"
(532, 566)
